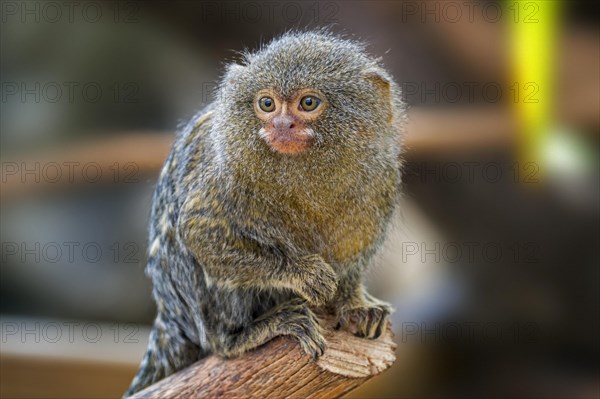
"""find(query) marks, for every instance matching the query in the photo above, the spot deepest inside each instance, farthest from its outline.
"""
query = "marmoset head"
(304, 92)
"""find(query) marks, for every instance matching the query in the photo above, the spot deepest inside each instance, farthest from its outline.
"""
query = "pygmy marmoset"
(272, 203)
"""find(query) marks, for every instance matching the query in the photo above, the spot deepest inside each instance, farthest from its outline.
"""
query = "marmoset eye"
(309, 103)
(267, 104)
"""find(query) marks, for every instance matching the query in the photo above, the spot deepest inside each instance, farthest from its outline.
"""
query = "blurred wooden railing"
(138, 156)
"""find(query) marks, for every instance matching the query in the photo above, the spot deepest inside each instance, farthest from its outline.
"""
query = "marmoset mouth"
(289, 142)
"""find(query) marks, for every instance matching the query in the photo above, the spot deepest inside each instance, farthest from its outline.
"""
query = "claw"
(365, 321)
(300, 322)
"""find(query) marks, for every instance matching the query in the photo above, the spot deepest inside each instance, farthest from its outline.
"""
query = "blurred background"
(492, 264)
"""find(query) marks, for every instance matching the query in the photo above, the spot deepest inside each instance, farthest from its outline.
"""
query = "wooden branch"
(279, 369)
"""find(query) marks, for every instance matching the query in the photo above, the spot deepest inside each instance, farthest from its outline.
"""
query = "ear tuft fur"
(383, 83)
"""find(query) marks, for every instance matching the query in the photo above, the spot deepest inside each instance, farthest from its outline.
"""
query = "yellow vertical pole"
(534, 27)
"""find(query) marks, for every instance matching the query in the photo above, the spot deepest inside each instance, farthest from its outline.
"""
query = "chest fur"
(340, 227)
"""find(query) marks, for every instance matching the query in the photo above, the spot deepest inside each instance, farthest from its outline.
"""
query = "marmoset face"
(312, 96)
(287, 120)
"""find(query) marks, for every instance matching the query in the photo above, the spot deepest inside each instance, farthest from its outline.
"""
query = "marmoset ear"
(378, 77)
(381, 81)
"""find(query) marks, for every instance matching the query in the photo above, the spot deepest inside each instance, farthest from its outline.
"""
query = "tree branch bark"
(279, 369)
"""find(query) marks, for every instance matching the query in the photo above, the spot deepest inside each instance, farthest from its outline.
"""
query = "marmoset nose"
(283, 122)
